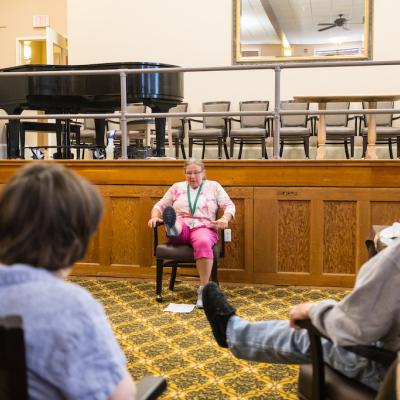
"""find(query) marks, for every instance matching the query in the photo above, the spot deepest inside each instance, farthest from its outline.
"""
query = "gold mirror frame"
(238, 58)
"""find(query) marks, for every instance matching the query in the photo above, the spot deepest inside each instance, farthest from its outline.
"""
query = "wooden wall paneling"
(248, 173)
(92, 254)
(277, 191)
(265, 233)
(238, 261)
(339, 237)
(131, 238)
(296, 217)
(282, 243)
(386, 212)
(316, 237)
(362, 232)
(127, 244)
(96, 260)
(293, 236)
(126, 231)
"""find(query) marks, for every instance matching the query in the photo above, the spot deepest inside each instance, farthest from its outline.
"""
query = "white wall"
(193, 33)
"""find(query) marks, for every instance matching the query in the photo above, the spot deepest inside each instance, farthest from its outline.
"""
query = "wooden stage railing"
(297, 223)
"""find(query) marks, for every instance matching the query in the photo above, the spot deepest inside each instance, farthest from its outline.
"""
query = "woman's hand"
(300, 311)
(153, 221)
(221, 223)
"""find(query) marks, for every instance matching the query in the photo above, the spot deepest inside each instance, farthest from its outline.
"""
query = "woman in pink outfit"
(189, 210)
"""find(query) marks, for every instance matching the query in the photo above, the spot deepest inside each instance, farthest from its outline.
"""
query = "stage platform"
(298, 222)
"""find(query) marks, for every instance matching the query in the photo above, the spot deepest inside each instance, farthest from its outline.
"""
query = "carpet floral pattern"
(181, 348)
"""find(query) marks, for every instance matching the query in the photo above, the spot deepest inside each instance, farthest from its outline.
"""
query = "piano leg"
(160, 137)
(58, 154)
(160, 126)
(67, 140)
(13, 139)
(100, 127)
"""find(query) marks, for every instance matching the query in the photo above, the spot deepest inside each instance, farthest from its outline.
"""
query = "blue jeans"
(276, 342)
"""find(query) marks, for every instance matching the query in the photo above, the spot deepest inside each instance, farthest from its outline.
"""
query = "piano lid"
(87, 93)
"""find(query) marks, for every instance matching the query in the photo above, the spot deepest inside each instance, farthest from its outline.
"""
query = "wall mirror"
(301, 30)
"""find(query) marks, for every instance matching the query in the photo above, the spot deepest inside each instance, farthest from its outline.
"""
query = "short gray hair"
(191, 161)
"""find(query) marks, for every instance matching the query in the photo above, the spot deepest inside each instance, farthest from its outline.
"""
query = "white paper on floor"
(179, 308)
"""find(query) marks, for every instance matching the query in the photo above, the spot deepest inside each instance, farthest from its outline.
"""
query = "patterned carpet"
(181, 348)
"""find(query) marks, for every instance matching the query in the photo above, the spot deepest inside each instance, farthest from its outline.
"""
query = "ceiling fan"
(340, 21)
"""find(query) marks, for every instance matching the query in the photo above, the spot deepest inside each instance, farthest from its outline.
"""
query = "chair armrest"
(313, 120)
(395, 117)
(114, 121)
(155, 237)
(379, 355)
(222, 253)
(150, 387)
(194, 120)
(75, 122)
(190, 120)
(269, 124)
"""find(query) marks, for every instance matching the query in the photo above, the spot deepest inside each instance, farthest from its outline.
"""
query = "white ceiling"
(298, 21)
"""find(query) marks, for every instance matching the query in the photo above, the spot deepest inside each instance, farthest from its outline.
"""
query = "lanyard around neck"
(193, 209)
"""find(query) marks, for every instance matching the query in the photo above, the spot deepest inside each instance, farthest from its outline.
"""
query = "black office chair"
(180, 255)
(318, 381)
(13, 377)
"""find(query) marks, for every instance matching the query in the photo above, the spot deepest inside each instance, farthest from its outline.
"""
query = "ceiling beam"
(275, 23)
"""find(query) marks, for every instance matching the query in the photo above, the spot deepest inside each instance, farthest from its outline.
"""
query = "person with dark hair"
(189, 211)
(47, 217)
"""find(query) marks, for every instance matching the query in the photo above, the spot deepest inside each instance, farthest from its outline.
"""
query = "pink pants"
(201, 239)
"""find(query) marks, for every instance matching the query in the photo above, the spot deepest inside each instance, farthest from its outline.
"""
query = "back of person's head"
(47, 216)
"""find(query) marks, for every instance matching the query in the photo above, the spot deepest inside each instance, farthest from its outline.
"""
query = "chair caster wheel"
(159, 298)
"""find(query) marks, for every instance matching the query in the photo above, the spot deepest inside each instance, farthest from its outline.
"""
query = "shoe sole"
(169, 218)
(217, 308)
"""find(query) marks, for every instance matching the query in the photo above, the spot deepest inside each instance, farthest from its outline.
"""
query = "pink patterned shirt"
(212, 197)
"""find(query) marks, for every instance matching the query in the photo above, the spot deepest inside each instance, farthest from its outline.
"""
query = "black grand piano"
(74, 94)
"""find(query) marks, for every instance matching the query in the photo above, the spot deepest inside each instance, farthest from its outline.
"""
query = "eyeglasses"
(195, 173)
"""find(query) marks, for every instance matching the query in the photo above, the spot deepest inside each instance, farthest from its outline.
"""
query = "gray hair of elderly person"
(192, 161)
(47, 217)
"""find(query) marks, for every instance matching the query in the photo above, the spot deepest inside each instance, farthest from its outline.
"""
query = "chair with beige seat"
(252, 130)
(177, 126)
(386, 133)
(294, 128)
(215, 129)
(337, 128)
(87, 137)
(139, 129)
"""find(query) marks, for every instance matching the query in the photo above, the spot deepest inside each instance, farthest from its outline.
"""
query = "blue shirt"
(71, 351)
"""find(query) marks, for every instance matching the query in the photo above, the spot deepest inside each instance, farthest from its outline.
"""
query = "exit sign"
(41, 21)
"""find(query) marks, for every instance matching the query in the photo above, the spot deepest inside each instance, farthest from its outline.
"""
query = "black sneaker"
(218, 311)
(169, 218)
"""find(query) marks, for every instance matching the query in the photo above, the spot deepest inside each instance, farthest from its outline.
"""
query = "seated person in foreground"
(368, 315)
(189, 210)
(47, 216)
